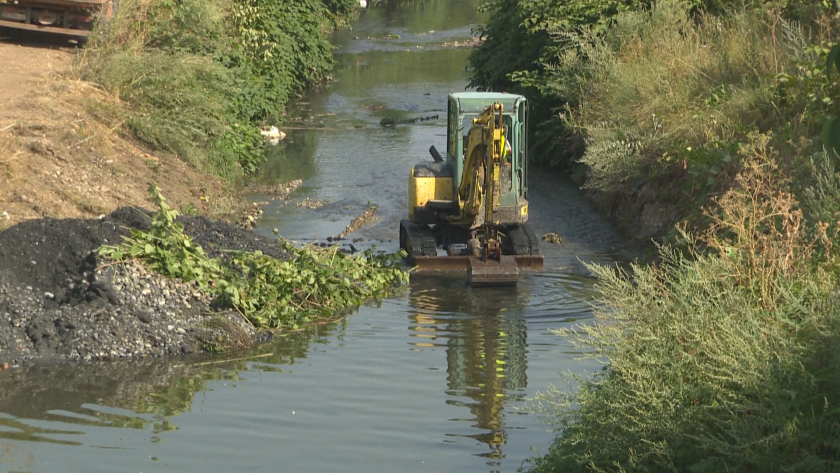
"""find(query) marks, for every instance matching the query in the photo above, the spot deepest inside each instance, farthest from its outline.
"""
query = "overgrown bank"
(713, 127)
(195, 78)
(652, 103)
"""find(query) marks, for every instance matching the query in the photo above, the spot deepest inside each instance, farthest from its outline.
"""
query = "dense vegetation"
(195, 77)
(724, 355)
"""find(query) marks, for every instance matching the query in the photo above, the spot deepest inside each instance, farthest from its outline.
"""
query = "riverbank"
(61, 301)
(136, 283)
(59, 159)
(78, 142)
(711, 128)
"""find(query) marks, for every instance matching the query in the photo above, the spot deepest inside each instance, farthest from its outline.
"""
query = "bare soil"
(58, 159)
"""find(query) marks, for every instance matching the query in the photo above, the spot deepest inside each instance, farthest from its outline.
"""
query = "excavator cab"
(469, 210)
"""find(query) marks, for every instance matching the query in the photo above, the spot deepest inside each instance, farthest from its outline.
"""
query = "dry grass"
(661, 84)
(9, 155)
(726, 360)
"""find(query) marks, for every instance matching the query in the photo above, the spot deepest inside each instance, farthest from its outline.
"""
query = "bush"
(660, 85)
(525, 38)
(198, 75)
(280, 48)
(270, 293)
(725, 360)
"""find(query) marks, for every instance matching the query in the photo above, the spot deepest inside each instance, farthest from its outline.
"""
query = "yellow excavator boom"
(482, 165)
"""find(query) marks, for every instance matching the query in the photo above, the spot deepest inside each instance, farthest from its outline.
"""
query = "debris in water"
(552, 237)
(367, 217)
(391, 121)
(276, 191)
(466, 43)
(311, 203)
(273, 134)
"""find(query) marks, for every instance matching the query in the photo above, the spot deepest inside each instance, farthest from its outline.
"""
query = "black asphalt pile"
(59, 300)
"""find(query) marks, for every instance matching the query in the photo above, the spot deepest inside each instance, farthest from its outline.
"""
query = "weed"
(154, 165)
(725, 355)
(270, 293)
(726, 360)
(189, 209)
(196, 75)
(661, 90)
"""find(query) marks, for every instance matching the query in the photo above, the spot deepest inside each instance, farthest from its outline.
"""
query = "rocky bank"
(59, 300)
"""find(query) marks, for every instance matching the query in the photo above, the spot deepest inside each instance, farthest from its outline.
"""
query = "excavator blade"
(481, 273)
(491, 272)
(425, 264)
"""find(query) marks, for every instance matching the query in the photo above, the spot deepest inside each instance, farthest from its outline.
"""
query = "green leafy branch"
(269, 292)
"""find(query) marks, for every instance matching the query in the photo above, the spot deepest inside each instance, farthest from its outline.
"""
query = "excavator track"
(417, 240)
(522, 240)
(522, 247)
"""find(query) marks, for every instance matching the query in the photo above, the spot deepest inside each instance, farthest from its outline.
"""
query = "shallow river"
(433, 379)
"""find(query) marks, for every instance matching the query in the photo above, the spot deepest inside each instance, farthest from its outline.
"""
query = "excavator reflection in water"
(486, 346)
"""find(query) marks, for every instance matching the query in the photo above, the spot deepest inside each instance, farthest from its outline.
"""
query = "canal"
(436, 378)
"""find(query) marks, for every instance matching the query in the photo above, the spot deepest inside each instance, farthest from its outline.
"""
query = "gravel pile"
(58, 300)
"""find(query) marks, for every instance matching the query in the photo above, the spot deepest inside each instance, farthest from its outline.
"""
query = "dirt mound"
(46, 253)
(58, 299)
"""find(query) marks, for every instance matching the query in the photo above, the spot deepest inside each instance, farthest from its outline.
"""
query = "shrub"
(725, 360)
(197, 75)
(269, 293)
(280, 48)
(671, 85)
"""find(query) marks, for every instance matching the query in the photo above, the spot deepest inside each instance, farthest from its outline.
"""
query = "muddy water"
(433, 379)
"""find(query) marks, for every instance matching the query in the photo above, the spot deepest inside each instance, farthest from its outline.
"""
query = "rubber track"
(421, 240)
(524, 241)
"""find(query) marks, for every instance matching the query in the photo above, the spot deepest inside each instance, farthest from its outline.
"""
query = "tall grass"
(178, 97)
(725, 360)
(196, 76)
(660, 84)
(725, 355)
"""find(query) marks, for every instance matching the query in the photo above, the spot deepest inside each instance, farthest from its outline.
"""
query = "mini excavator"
(468, 211)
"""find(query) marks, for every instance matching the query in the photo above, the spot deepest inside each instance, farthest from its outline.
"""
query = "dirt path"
(23, 62)
(62, 154)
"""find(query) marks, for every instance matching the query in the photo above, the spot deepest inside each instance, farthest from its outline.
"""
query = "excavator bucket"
(490, 272)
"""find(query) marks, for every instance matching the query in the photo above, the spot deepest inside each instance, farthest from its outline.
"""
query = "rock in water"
(552, 237)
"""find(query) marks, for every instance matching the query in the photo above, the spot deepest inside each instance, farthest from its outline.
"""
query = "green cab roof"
(475, 102)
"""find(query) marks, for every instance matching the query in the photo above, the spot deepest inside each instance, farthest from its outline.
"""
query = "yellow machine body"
(421, 190)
